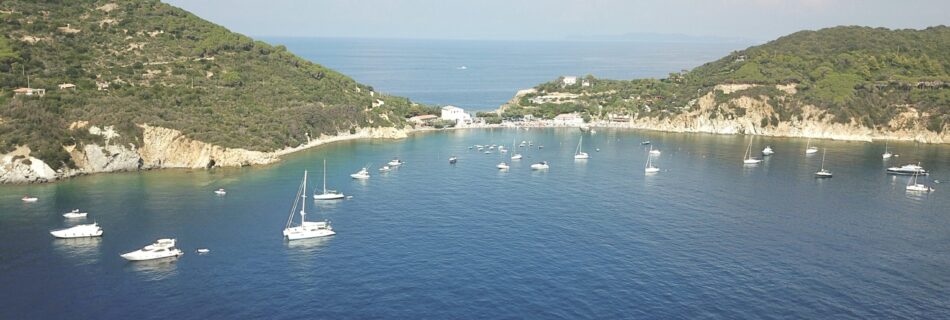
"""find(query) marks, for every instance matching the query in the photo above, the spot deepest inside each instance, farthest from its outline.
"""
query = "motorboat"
(395, 162)
(78, 231)
(220, 192)
(516, 156)
(202, 250)
(540, 165)
(502, 166)
(362, 174)
(645, 142)
(453, 159)
(381, 169)
(162, 248)
(768, 151)
(29, 199)
(327, 193)
(908, 169)
(306, 229)
(75, 214)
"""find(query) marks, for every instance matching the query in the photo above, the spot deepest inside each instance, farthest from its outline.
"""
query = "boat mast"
(303, 205)
(579, 145)
(324, 176)
(823, 158)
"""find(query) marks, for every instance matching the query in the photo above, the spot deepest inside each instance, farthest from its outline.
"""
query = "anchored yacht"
(78, 231)
(162, 248)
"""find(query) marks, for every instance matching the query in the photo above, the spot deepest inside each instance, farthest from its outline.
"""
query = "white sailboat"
(823, 173)
(914, 186)
(327, 194)
(886, 154)
(748, 159)
(514, 153)
(306, 229)
(809, 149)
(578, 154)
(649, 167)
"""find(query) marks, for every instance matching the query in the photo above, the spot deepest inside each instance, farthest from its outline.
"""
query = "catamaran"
(162, 248)
(578, 154)
(748, 159)
(823, 173)
(306, 229)
(327, 194)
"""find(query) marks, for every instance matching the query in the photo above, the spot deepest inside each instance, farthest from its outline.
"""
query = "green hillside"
(165, 67)
(860, 73)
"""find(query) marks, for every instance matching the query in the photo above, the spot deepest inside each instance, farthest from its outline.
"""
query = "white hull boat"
(918, 187)
(75, 214)
(823, 173)
(748, 159)
(78, 231)
(395, 163)
(908, 169)
(306, 229)
(578, 154)
(220, 192)
(162, 248)
(327, 194)
(29, 199)
(886, 154)
(649, 167)
(502, 166)
(768, 151)
(540, 165)
(362, 174)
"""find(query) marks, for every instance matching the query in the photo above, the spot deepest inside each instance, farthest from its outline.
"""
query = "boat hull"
(328, 196)
(139, 256)
(66, 234)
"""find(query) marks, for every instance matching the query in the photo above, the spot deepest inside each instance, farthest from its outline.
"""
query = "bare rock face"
(161, 148)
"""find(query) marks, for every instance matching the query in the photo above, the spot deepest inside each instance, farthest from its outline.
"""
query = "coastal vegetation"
(854, 74)
(127, 63)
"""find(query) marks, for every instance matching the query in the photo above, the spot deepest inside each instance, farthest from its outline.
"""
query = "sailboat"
(823, 173)
(650, 168)
(578, 154)
(914, 186)
(809, 149)
(748, 159)
(886, 154)
(654, 152)
(327, 194)
(514, 153)
(306, 229)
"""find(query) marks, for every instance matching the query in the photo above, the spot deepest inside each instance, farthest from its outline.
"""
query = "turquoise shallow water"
(704, 238)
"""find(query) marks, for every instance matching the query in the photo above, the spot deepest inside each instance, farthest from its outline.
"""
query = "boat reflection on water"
(309, 245)
(83, 250)
(154, 270)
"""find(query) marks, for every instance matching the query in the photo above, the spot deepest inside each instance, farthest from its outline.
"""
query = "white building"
(569, 80)
(453, 113)
(568, 119)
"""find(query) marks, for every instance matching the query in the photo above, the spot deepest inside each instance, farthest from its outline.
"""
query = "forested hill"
(859, 75)
(145, 62)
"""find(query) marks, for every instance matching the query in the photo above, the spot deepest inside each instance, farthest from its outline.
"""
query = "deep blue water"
(704, 238)
(428, 71)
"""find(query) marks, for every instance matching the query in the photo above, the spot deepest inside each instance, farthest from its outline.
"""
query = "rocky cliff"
(160, 148)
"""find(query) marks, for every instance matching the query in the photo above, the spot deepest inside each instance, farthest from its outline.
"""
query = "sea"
(705, 238)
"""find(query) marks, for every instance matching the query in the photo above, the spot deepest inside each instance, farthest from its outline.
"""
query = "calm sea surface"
(705, 238)
(431, 71)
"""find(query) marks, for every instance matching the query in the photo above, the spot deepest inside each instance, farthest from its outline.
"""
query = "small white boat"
(517, 156)
(918, 187)
(202, 250)
(162, 248)
(645, 142)
(654, 152)
(327, 194)
(540, 165)
(823, 173)
(748, 159)
(306, 229)
(649, 167)
(395, 163)
(381, 169)
(29, 199)
(78, 231)
(502, 166)
(220, 192)
(453, 159)
(908, 169)
(886, 154)
(362, 174)
(578, 154)
(809, 149)
(75, 214)
(768, 151)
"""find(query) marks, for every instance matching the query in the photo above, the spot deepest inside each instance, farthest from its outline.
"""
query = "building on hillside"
(65, 86)
(29, 92)
(453, 113)
(568, 119)
(568, 80)
(424, 119)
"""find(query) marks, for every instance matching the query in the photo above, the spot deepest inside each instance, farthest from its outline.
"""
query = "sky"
(757, 20)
